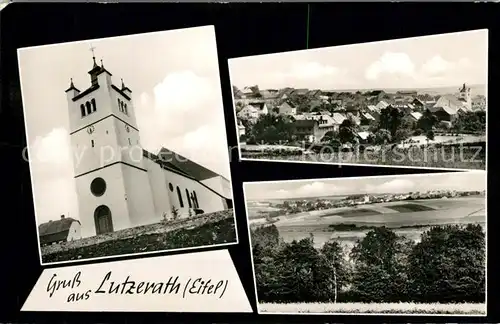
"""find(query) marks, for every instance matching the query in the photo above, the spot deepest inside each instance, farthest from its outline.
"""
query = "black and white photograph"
(127, 145)
(393, 245)
(412, 102)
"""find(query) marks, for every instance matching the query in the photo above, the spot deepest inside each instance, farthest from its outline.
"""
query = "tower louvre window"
(82, 110)
(89, 108)
(125, 109)
(93, 104)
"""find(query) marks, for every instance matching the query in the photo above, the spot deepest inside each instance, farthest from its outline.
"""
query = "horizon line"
(361, 194)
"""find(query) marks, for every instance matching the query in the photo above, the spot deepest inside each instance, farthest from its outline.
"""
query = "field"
(375, 308)
(406, 218)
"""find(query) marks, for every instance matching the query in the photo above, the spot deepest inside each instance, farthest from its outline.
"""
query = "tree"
(470, 122)
(347, 131)
(334, 254)
(427, 122)
(448, 264)
(272, 129)
(380, 266)
(402, 134)
(175, 213)
(382, 136)
(429, 135)
(391, 119)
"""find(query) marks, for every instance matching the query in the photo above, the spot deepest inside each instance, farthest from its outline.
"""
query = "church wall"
(159, 187)
(130, 117)
(219, 184)
(103, 103)
(129, 142)
(113, 197)
(207, 199)
(105, 151)
(139, 196)
(75, 232)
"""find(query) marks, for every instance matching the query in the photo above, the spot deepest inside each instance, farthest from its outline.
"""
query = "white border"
(189, 249)
(372, 177)
(359, 164)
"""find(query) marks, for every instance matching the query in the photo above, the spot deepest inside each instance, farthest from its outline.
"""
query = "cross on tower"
(92, 50)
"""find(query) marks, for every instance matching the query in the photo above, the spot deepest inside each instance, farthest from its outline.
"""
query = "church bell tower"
(112, 182)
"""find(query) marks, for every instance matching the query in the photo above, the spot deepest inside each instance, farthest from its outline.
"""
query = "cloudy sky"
(174, 77)
(422, 62)
(474, 180)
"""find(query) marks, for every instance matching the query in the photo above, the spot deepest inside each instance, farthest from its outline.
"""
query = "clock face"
(127, 128)
(90, 129)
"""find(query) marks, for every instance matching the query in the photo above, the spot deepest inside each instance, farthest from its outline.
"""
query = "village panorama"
(433, 127)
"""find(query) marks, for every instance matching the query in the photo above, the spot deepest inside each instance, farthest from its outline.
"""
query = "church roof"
(192, 168)
(53, 231)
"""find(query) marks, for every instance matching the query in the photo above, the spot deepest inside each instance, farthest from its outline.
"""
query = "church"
(119, 185)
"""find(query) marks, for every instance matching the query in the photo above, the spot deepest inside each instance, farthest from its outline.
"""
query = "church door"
(102, 219)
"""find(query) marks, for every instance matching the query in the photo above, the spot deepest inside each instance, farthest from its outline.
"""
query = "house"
(479, 103)
(354, 118)
(445, 113)
(363, 136)
(269, 95)
(287, 108)
(241, 129)
(62, 230)
(299, 92)
(314, 94)
(338, 118)
(249, 113)
(418, 104)
(405, 108)
(127, 190)
(366, 119)
(382, 105)
(261, 107)
(314, 104)
(413, 116)
(452, 102)
(373, 111)
(407, 94)
(308, 130)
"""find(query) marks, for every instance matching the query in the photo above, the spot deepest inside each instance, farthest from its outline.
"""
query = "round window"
(98, 187)
(171, 187)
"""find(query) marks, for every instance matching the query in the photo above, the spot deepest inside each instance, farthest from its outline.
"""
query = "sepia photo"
(414, 102)
(405, 244)
(127, 145)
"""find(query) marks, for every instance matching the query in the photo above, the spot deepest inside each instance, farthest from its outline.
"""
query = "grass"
(375, 308)
(222, 231)
(408, 208)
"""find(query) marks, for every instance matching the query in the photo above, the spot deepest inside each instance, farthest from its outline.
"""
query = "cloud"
(312, 70)
(393, 186)
(53, 148)
(184, 113)
(438, 66)
(52, 172)
(391, 63)
(315, 188)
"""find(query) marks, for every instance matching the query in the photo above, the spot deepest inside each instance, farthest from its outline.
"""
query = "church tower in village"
(465, 96)
(112, 183)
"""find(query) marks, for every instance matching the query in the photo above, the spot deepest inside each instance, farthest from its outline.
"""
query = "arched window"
(92, 143)
(179, 195)
(188, 199)
(82, 110)
(119, 104)
(93, 104)
(195, 200)
(89, 108)
(125, 108)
